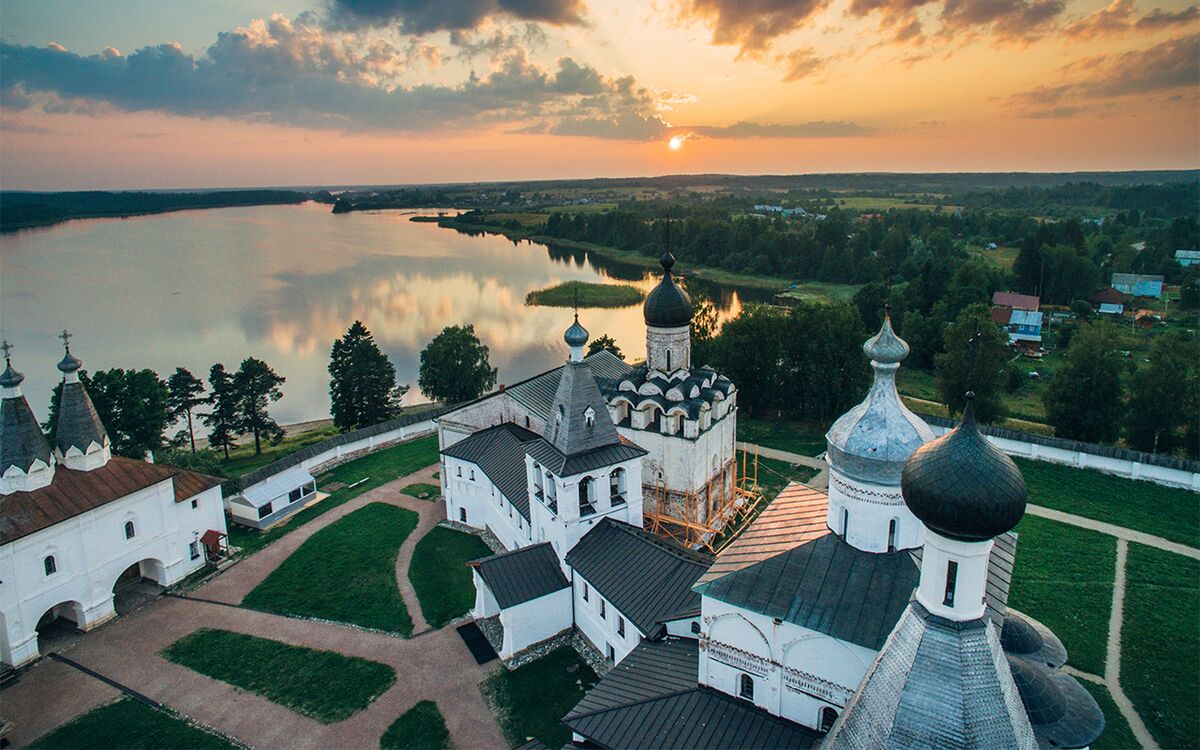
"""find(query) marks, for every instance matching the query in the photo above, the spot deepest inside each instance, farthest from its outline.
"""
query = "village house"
(1138, 284)
(1019, 315)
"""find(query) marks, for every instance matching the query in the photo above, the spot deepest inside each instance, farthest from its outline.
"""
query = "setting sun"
(675, 143)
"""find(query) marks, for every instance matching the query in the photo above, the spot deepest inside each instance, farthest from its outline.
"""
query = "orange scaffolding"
(697, 519)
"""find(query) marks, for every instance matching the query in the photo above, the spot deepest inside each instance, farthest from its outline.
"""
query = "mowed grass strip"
(419, 728)
(440, 575)
(323, 685)
(1169, 512)
(1117, 734)
(530, 700)
(1160, 643)
(1064, 577)
(377, 469)
(131, 725)
(346, 572)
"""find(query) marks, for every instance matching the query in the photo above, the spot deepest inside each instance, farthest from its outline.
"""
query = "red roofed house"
(82, 531)
(1019, 315)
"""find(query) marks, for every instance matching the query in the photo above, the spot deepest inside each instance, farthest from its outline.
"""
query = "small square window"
(195, 503)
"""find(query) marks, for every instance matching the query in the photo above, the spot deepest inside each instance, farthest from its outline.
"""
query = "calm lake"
(281, 283)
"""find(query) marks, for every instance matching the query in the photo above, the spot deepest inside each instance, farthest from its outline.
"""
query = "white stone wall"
(90, 552)
(797, 672)
(535, 621)
(564, 529)
(602, 631)
(677, 341)
(466, 488)
(868, 511)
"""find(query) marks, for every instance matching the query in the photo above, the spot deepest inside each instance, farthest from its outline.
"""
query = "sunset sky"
(142, 93)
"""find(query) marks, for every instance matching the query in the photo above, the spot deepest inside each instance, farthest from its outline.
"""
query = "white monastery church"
(871, 616)
(77, 523)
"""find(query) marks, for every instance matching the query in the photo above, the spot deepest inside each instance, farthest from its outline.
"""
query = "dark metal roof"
(695, 719)
(522, 575)
(500, 453)
(21, 439)
(828, 586)
(667, 305)
(1062, 712)
(653, 669)
(936, 685)
(576, 398)
(564, 466)
(644, 576)
(73, 492)
(78, 423)
(1026, 637)
(537, 393)
(963, 487)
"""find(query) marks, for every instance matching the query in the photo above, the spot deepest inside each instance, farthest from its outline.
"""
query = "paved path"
(434, 665)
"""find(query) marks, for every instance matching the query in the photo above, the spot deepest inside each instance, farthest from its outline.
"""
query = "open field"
(346, 572)
(872, 203)
(1064, 577)
(440, 575)
(584, 294)
(323, 685)
(1168, 512)
(376, 469)
(820, 291)
(529, 701)
(419, 728)
(1160, 644)
(130, 725)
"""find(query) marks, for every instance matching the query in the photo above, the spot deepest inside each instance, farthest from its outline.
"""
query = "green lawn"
(1160, 644)
(1117, 734)
(346, 572)
(568, 293)
(440, 575)
(805, 438)
(323, 685)
(530, 701)
(423, 491)
(131, 725)
(376, 468)
(1064, 577)
(1164, 511)
(420, 728)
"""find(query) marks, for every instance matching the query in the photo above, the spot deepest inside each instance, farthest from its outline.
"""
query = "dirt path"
(1120, 532)
(430, 514)
(1112, 658)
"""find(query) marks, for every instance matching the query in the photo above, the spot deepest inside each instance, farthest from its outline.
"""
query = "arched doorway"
(138, 584)
(58, 625)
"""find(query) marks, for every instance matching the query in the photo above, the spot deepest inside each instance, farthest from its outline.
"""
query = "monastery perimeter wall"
(1164, 470)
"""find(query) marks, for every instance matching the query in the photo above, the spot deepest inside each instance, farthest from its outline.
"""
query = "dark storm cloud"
(425, 16)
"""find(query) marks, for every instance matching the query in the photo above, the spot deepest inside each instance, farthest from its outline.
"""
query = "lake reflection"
(281, 283)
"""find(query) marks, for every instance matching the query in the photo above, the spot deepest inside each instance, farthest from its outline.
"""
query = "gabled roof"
(522, 575)
(74, 492)
(500, 453)
(1135, 278)
(653, 669)
(1000, 315)
(1025, 318)
(563, 465)
(1110, 296)
(695, 719)
(645, 577)
(1016, 301)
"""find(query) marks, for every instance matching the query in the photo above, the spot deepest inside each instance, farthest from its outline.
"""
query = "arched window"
(587, 497)
(50, 565)
(561, 411)
(746, 687)
(130, 532)
(458, 470)
(828, 717)
(696, 627)
(589, 417)
(616, 486)
(892, 535)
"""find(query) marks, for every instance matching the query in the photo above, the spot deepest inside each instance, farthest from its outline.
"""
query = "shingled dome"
(963, 487)
(1061, 711)
(667, 305)
(1025, 637)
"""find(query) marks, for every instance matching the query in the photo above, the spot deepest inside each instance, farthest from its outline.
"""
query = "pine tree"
(362, 382)
(186, 392)
(255, 386)
(222, 420)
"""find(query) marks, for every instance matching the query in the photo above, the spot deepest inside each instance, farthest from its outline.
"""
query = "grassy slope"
(586, 294)
(1160, 644)
(346, 572)
(377, 468)
(529, 701)
(794, 437)
(242, 459)
(419, 728)
(1145, 506)
(133, 725)
(440, 575)
(326, 686)
(1064, 578)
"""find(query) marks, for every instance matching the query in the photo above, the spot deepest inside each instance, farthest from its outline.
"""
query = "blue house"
(1138, 284)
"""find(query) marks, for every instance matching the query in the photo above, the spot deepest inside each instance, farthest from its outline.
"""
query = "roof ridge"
(667, 545)
(509, 552)
(638, 702)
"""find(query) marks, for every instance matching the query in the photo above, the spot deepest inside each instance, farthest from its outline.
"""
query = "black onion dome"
(963, 487)
(667, 305)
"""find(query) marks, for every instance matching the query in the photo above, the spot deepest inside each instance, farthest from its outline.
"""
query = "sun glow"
(675, 143)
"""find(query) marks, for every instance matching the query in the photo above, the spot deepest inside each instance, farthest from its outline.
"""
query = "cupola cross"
(7, 347)
(66, 339)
